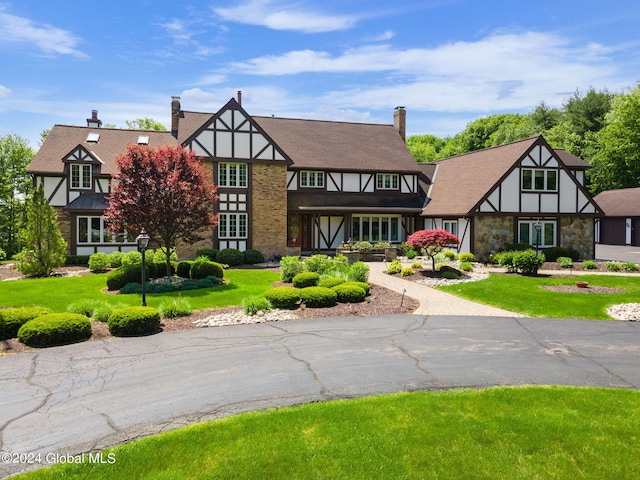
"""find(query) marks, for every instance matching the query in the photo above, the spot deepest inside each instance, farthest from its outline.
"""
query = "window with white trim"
(92, 230)
(527, 233)
(312, 179)
(387, 181)
(539, 179)
(232, 225)
(368, 228)
(450, 226)
(80, 176)
(232, 175)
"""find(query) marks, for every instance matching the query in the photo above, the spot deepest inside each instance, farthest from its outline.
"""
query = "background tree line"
(600, 127)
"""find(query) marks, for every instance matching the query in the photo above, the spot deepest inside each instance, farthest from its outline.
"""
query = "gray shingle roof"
(620, 203)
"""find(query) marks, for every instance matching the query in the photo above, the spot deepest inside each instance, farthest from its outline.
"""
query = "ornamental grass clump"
(11, 319)
(589, 265)
(55, 329)
(175, 307)
(254, 304)
(134, 321)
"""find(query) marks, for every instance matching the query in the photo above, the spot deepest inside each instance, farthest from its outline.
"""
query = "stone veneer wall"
(491, 235)
(578, 233)
(269, 208)
(64, 224)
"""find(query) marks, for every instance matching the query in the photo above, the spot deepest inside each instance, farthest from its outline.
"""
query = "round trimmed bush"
(118, 278)
(230, 256)
(251, 257)
(363, 285)
(99, 262)
(55, 329)
(466, 257)
(330, 282)
(184, 268)
(210, 253)
(318, 297)
(283, 297)
(161, 269)
(11, 319)
(349, 293)
(201, 269)
(115, 259)
(306, 279)
(134, 321)
(132, 287)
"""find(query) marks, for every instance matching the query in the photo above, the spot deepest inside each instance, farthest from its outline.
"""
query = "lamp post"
(143, 242)
(538, 227)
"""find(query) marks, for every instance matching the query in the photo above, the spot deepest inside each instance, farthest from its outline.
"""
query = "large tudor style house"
(290, 186)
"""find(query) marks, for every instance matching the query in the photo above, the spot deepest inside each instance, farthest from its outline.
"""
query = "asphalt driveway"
(92, 395)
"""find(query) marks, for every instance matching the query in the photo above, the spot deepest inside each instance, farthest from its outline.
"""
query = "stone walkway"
(432, 301)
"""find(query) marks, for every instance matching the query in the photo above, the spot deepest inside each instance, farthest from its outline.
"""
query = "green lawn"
(58, 293)
(506, 433)
(523, 294)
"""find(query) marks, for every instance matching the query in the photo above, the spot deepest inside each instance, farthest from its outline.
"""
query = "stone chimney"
(400, 121)
(175, 115)
(94, 121)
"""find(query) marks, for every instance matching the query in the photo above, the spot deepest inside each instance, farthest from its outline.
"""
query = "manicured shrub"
(290, 267)
(411, 254)
(162, 288)
(528, 262)
(115, 259)
(330, 282)
(200, 269)
(318, 297)
(11, 319)
(363, 285)
(159, 256)
(507, 261)
(55, 329)
(118, 278)
(254, 304)
(450, 273)
(629, 267)
(283, 297)
(131, 258)
(230, 256)
(451, 276)
(518, 247)
(416, 265)
(380, 246)
(175, 307)
(358, 272)
(407, 272)
(318, 263)
(132, 287)
(589, 265)
(552, 254)
(77, 260)
(466, 266)
(363, 247)
(613, 266)
(565, 262)
(306, 279)
(349, 293)
(449, 255)
(183, 268)
(394, 267)
(466, 257)
(99, 262)
(251, 257)
(159, 269)
(210, 253)
(134, 321)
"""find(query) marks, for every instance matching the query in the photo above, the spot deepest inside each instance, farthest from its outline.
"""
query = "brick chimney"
(175, 115)
(94, 121)
(240, 97)
(400, 121)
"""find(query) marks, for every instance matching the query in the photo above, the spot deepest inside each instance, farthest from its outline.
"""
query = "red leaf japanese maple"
(164, 190)
(432, 242)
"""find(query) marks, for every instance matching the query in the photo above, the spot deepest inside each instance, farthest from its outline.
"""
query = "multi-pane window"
(232, 225)
(375, 229)
(537, 179)
(92, 230)
(232, 175)
(528, 233)
(311, 179)
(450, 226)
(80, 176)
(387, 181)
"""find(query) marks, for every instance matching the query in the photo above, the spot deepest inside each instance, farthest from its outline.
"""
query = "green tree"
(15, 156)
(544, 118)
(586, 113)
(43, 246)
(617, 163)
(425, 148)
(145, 123)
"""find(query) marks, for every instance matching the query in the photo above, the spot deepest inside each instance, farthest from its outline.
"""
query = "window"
(311, 179)
(527, 233)
(375, 229)
(232, 225)
(539, 179)
(387, 181)
(232, 175)
(450, 226)
(80, 176)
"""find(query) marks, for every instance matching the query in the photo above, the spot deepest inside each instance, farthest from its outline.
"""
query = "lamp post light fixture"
(143, 242)
(538, 227)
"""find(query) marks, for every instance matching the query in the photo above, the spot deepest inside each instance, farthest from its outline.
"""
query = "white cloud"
(47, 38)
(5, 92)
(275, 16)
(182, 33)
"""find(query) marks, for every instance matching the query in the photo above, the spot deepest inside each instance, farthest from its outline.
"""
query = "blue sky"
(447, 61)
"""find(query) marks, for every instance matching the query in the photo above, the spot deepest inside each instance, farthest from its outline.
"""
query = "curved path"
(87, 396)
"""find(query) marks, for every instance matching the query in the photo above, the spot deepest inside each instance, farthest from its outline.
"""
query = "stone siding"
(64, 224)
(269, 208)
(492, 234)
(578, 233)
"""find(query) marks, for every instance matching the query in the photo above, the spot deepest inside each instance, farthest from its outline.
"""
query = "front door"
(298, 231)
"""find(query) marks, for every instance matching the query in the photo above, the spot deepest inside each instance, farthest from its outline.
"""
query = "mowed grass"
(58, 293)
(524, 294)
(498, 433)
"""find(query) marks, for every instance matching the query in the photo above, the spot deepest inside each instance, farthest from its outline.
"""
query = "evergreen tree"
(43, 246)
